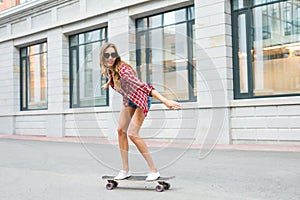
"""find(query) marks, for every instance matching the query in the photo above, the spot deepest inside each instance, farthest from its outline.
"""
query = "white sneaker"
(122, 175)
(152, 176)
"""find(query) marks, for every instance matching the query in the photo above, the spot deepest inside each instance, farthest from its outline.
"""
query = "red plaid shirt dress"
(133, 89)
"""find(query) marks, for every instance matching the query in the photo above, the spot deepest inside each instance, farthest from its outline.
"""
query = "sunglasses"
(107, 55)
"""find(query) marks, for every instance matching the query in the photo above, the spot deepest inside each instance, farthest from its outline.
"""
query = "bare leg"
(124, 120)
(133, 133)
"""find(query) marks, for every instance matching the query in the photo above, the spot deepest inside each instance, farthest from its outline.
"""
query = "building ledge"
(278, 101)
(26, 9)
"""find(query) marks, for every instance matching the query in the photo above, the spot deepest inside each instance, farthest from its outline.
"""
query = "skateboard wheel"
(109, 186)
(159, 188)
(167, 186)
(115, 184)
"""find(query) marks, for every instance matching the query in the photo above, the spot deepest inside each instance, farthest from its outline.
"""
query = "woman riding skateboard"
(136, 103)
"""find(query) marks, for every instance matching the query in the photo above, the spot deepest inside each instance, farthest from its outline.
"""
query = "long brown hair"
(112, 74)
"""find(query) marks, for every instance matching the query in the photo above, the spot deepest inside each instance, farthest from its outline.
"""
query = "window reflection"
(34, 77)
(276, 49)
(86, 80)
(163, 58)
(242, 54)
(174, 17)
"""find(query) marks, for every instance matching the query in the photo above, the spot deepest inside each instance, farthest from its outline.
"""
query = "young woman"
(136, 103)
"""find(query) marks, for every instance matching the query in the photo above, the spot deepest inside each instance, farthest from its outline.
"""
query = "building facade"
(234, 65)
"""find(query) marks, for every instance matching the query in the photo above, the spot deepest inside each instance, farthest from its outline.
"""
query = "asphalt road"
(43, 170)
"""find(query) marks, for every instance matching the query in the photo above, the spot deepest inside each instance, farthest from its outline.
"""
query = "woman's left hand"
(173, 105)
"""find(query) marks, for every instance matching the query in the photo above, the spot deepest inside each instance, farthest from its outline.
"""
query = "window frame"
(76, 48)
(27, 69)
(189, 29)
(247, 10)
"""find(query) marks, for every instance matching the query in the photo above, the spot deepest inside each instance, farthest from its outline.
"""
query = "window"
(34, 77)
(165, 53)
(266, 61)
(85, 74)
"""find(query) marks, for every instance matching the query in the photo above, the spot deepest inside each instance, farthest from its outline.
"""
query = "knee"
(121, 132)
(133, 137)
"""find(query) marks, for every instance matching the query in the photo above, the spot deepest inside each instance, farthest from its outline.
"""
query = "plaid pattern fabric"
(133, 89)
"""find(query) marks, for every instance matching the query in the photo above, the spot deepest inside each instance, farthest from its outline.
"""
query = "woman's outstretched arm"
(173, 105)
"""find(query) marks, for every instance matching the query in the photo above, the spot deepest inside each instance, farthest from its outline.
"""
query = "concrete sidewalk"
(175, 144)
(44, 169)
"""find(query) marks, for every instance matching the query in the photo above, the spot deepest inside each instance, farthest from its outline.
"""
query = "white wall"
(7, 87)
(259, 121)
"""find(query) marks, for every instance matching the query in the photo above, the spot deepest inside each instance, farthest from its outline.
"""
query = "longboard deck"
(139, 178)
(162, 182)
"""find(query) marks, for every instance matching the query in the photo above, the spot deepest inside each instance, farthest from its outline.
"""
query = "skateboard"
(162, 182)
